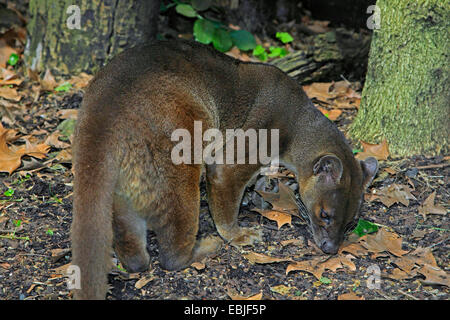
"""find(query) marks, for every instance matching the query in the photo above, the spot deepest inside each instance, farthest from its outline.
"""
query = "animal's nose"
(329, 247)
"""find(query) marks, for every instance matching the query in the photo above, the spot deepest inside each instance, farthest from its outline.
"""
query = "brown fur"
(125, 180)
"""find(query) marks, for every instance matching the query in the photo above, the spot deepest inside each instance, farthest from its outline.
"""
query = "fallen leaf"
(350, 296)
(434, 275)
(283, 200)
(394, 193)
(257, 296)
(383, 241)
(296, 242)
(198, 265)
(281, 289)
(143, 281)
(5, 52)
(378, 151)
(48, 83)
(280, 218)
(428, 207)
(311, 266)
(81, 80)
(52, 140)
(261, 258)
(10, 157)
(67, 114)
(332, 114)
(10, 94)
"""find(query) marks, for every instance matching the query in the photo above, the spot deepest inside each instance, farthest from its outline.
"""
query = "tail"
(92, 230)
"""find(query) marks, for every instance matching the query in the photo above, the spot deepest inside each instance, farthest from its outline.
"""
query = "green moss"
(406, 97)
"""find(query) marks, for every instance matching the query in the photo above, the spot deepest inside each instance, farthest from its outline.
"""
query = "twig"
(433, 166)
(408, 295)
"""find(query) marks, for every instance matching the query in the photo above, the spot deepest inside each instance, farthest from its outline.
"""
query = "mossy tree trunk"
(406, 97)
(105, 28)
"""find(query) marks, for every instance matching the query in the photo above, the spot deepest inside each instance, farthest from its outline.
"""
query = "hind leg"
(176, 225)
(130, 236)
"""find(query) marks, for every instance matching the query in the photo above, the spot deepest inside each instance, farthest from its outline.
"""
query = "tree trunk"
(406, 94)
(68, 40)
(328, 56)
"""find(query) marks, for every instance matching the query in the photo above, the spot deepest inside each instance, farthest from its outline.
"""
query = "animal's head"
(333, 194)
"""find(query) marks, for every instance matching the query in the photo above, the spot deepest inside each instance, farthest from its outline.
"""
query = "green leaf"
(243, 39)
(63, 87)
(201, 5)
(260, 53)
(9, 192)
(13, 59)
(204, 31)
(364, 227)
(274, 52)
(222, 40)
(283, 52)
(17, 223)
(49, 232)
(284, 37)
(325, 280)
(259, 49)
(186, 10)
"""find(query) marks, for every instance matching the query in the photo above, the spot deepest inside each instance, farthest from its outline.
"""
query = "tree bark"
(107, 27)
(328, 56)
(406, 94)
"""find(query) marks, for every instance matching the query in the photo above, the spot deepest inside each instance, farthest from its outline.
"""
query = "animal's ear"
(369, 168)
(329, 170)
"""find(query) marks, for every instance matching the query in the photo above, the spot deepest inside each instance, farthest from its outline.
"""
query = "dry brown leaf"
(143, 281)
(428, 207)
(378, 151)
(67, 114)
(48, 83)
(280, 218)
(339, 262)
(296, 242)
(350, 296)
(10, 94)
(434, 275)
(335, 94)
(394, 193)
(332, 114)
(283, 200)
(81, 80)
(311, 266)
(198, 265)
(257, 296)
(261, 258)
(10, 157)
(5, 52)
(52, 140)
(383, 241)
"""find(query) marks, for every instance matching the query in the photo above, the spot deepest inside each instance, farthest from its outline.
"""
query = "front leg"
(226, 185)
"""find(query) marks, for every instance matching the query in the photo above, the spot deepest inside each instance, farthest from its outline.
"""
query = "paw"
(246, 237)
(205, 247)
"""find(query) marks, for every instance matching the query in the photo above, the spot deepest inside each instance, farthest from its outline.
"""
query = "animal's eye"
(324, 215)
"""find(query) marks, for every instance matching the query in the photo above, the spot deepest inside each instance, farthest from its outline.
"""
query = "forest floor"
(403, 254)
(408, 255)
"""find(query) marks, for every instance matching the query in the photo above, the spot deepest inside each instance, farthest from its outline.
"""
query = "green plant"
(9, 192)
(13, 59)
(274, 52)
(206, 31)
(12, 235)
(364, 227)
